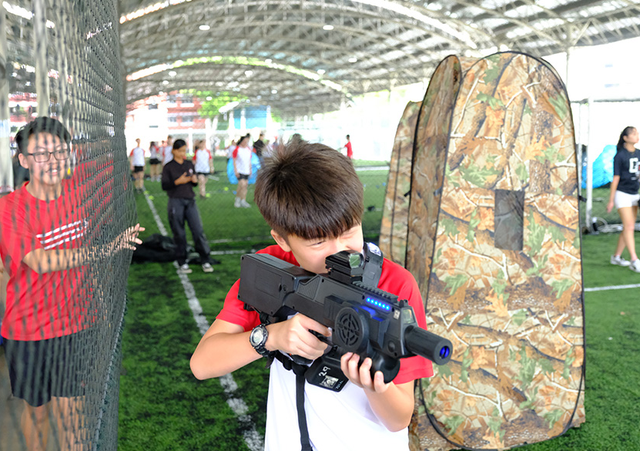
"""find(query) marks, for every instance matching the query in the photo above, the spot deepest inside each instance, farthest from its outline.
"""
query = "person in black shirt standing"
(259, 147)
(178, 180)
(624, 195)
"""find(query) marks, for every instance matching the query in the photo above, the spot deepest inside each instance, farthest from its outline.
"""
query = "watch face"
(256, 336)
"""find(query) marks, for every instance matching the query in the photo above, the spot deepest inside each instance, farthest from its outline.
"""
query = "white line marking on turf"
(613, 287)
(237, 405)
(154, 212)
(233, 252)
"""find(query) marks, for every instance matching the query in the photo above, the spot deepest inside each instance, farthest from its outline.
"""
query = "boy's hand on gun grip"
(361, 375)
(293, 336)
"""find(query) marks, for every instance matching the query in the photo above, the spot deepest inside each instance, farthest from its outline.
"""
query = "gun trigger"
(321, 337)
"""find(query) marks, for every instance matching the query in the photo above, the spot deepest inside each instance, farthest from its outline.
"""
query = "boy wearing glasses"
(44, 247)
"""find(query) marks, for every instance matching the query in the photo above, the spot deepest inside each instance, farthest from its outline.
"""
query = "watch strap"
(260, 347)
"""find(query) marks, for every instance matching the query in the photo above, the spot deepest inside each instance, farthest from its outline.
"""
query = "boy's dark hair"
(38, 125)
(179, 143)
(309, 190)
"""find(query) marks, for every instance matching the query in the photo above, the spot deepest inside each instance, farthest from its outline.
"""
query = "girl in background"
(242, 169)
(203, 162)
(154, 162)
(624, 195)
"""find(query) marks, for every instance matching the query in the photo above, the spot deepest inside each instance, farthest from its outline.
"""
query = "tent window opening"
(509, 219)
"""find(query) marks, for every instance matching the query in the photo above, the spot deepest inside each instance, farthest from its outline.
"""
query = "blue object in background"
(254, 117)
(602, 168)
(255, 165)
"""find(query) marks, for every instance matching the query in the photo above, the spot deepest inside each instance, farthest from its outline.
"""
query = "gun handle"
(388, 365)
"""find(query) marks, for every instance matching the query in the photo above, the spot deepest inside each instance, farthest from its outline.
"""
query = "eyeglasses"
(42, 157)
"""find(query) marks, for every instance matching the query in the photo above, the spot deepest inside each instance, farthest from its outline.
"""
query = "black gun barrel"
(429, 345)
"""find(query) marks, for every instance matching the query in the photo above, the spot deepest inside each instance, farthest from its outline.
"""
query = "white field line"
(613, 287)
(233, 252)
(252, 439)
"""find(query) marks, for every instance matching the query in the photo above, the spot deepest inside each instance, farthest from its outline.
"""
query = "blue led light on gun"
(444, 352)
(379, 304)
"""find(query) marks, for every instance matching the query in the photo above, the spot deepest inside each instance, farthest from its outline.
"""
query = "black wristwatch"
(258, 338)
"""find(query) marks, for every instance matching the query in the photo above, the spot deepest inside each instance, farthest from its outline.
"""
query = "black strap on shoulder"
(299, 371)
(371, 277)
(302, 417)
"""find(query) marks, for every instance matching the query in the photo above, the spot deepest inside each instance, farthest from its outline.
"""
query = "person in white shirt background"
(242, 169)
(203, 162)
(154, 162)
(136, 159)
(230, 149)
(167, 154)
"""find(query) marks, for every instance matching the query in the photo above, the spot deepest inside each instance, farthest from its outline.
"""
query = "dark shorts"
(243, 176)
(203, 173)
(138, 168)
(42, 369)
(154, 161)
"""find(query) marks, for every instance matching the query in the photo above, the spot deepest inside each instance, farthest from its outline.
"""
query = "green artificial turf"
(162, 406)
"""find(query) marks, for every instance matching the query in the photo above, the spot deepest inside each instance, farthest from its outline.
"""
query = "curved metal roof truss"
(342, 48)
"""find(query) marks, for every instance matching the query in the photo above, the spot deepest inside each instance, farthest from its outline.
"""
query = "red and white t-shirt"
(137, 156)
(336, 421)
(242, 157)
(53, 304)
(154, 152)
(201, 160)
(167, 154)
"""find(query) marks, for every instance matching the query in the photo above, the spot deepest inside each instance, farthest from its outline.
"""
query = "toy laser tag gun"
(364, 320)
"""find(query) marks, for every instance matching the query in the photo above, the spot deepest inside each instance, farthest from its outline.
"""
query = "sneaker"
(618, 260)
(245, 204)
(184, 269)
(207, 267)
(237, 203)
(635, 265)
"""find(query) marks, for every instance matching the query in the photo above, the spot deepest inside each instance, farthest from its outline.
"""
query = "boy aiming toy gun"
(364, 320)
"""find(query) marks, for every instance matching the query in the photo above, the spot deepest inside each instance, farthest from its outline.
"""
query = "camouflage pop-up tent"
(490, 229)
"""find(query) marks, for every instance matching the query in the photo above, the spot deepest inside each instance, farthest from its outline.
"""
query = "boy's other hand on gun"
(293, 336)
(361, 376)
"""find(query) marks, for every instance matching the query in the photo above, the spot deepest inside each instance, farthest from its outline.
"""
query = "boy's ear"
(281, 241)
(23, 160)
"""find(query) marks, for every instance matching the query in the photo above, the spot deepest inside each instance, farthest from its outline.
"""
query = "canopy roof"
(303, 56)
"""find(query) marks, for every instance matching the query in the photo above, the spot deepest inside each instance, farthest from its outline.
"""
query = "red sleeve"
(235, 153)
(210, 156)
(398, 281)
(16, 238)
(195, 155)
(131, 154)
(235, 313)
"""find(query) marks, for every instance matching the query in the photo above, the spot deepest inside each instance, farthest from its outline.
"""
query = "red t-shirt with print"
(394, 279)
(53, 304)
